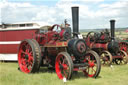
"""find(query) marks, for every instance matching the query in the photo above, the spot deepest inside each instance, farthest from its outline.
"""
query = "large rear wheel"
(64, 65)
(94, 65)
(29, 56)
(124, 59)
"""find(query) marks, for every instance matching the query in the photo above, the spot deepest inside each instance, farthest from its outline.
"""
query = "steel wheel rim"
(91, 69)
(25, 57)
(62, 67)
(124, 60)
(105, 58)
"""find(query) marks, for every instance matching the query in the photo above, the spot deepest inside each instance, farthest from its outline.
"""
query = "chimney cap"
(75, 6)
(112, 20)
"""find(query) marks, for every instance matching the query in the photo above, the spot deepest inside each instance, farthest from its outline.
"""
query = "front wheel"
(94, 65)
(64, 65)
(106, 58)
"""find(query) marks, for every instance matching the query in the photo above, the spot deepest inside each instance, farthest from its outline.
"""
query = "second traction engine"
(106, 46)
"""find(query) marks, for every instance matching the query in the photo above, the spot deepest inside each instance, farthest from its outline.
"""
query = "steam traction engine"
(106, 46)
(55, 46)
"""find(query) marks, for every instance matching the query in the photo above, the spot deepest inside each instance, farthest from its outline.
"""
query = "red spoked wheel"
(94, 65)
(64, 65)
(124, 46)
(106, 58)
(29, 56)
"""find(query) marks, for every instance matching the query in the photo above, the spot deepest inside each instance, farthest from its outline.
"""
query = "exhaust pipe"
(112, 26)
(113, 46)
(75, 19)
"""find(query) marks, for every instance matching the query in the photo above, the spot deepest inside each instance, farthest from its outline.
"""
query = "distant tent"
(126, 30)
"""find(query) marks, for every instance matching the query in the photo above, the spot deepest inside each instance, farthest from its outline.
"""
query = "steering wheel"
(56, 28)
(91, 35)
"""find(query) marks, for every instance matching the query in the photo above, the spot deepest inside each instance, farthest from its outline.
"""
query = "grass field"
(9, 75)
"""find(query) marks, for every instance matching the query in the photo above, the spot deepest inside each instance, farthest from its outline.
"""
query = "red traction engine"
(54, 46)
(106, 46)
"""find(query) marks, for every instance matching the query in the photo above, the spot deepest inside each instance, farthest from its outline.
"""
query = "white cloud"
(12, 12)
(89, 17)
(91, 1)
(117, 10)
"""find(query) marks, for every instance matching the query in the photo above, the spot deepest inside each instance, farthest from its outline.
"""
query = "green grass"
(9, 75)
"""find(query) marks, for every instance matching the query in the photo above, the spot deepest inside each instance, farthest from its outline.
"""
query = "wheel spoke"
(22, 51)
(25, 67)
(23, 61)
(93, 61)
(94, 70)
(65, 74)
(30, 53)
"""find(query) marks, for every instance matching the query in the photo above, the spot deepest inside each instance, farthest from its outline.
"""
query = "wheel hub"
(81, 47)
(104, 59)
(26, 56)
(63, 67)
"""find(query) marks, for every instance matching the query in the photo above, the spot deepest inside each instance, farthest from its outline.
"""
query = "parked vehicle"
(107, 46)
(56, 47)
(11, 36)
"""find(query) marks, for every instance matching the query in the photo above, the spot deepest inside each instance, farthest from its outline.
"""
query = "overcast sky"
(92, 13)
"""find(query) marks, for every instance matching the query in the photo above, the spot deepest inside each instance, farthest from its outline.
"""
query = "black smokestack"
(112, 26)
(75, 19)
